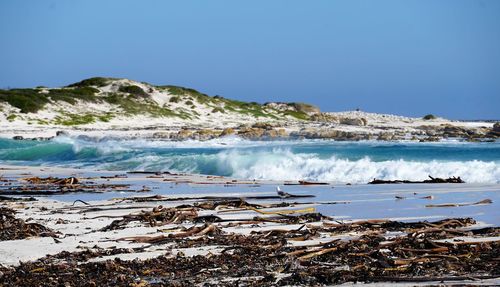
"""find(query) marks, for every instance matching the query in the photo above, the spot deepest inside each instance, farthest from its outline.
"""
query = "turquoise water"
(340, 162)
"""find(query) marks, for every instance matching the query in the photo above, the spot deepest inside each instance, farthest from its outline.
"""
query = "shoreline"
(353, 126)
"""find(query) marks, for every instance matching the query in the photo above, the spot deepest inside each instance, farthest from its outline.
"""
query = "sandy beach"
(117, 218)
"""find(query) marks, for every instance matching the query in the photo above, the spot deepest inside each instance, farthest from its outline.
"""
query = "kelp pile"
(12, 228)
(54, 185)
(374, 251)
(431, 179)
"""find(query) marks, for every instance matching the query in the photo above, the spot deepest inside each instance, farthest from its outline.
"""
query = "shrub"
(27, 100)
(429, 117)
(96, 81)
(133, 90)
(174, 99)
(189, 103)
(86, 94)
(218, 110)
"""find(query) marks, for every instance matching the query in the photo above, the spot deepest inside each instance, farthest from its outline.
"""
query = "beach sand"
(79, 219)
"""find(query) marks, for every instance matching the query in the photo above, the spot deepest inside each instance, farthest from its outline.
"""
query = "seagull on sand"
(281, 193)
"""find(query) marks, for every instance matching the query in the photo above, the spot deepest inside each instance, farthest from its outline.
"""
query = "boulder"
(353, 121)
(62, 133)
(227, 132)
(324, 117)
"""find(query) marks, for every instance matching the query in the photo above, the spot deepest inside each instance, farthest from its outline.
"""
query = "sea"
(314, 160)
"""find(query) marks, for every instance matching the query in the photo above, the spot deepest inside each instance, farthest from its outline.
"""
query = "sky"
(402, 57)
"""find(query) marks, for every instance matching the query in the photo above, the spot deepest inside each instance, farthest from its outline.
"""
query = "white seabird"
(281, 193)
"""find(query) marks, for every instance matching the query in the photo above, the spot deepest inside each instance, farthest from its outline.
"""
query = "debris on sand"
(53, 185)
(431, 180)
(12, 228)
(266, 258)
(481, 202)
(53, 180)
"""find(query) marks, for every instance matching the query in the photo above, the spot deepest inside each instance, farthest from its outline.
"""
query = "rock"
(205, 134)
(353, 121)
(496, 127)
(385, 137)
(305, 108)
(161, 135)
(62, 133)
(430, 139)
(227, 132)
(298, 107)
(251, 133)
(282, 133)
(495, 131)
(184, 134)
(324, 117)
(18, 138)
(266, 126)
(454, 131)
(270, 134)
(311, 133)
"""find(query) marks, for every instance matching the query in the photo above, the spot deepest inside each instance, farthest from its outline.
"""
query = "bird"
(281, 193)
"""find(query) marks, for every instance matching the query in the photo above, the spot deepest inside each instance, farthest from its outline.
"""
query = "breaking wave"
(287, 160)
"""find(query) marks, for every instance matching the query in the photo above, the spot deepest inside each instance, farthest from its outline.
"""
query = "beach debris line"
(53, 180)
(53, 185)
(305, 182)
(452, 179)
(266, 257)
(158, 198)
(189, 213)
(12, 228)
(481, 202)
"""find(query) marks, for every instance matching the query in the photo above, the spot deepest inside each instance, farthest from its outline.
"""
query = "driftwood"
(484, 201)
(193, 231)
(431, 180)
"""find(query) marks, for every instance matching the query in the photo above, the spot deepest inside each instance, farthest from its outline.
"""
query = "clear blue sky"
(402, 57)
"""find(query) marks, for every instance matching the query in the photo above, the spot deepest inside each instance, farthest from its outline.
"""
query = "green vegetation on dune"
(297, 115)
(86, 94)
(27, 100)
(96, 81)
(133, 106)
(134, 100)
(181, 91)
(133, 90)
(74, 119)
(69, 119)
(32, 100)
(429, 117)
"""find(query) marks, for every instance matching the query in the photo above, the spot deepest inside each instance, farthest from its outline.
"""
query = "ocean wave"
(338, 162)
(283, 164)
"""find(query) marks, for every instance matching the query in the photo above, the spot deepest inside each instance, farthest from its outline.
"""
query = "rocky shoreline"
(123, 108)
(292, 131)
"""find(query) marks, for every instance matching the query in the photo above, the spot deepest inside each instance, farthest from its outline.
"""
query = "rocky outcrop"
(297, 107)
(324, 117)
(309, 133)
(227, 132)
(495, 131)
(353, 121)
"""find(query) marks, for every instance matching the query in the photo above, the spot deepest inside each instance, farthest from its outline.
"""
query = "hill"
(107, 100)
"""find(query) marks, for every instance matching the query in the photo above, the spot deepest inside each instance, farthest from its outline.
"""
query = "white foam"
(282, 164)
